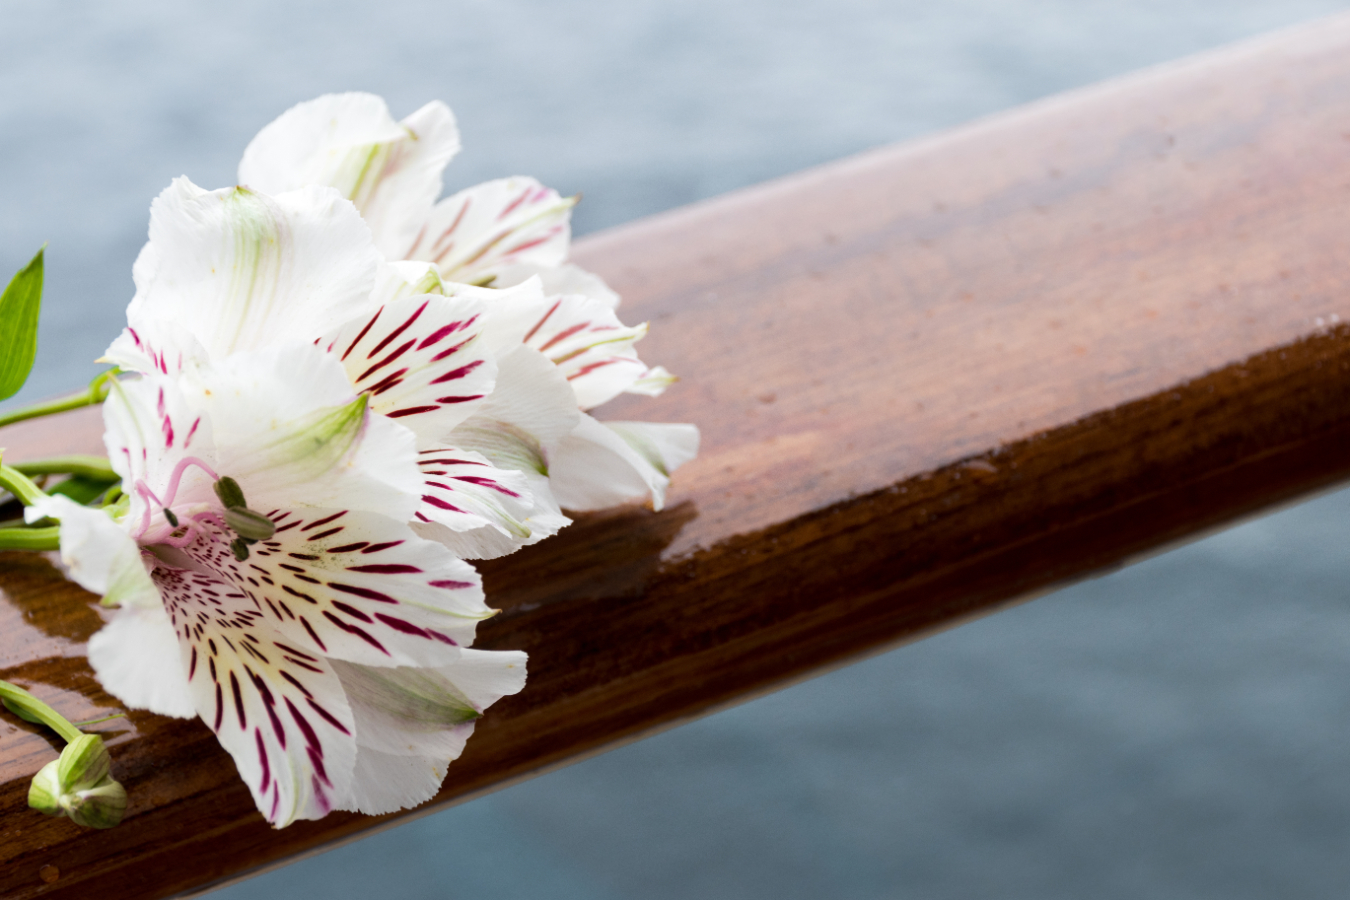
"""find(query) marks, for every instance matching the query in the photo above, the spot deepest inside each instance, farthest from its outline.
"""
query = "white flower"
(234, 270)
(270, 583)
(503, 233)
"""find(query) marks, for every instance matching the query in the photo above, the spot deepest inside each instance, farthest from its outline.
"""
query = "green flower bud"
(80, 785)
(248, 524)
(84, 763)
(44, 793)
(101, 806)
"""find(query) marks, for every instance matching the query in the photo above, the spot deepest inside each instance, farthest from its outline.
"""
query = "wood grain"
(932, 380)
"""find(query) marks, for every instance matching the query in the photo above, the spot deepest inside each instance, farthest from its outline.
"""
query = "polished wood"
(932, 380)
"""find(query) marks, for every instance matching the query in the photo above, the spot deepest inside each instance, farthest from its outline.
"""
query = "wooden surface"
(931, 380)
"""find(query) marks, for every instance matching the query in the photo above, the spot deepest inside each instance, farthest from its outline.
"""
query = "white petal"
(98, 553)
(511, 312)
(567, 278)
(475, 234)
(590, 346)
(421, 712)
(290, 429)
(665, 446)
(543, 520)
(405, 278)
(151, 434)
(280, 712)
(243, 270)
(420, 361)
(391, 171)
(328, 140)
(350, 585)
(385, 783)
(653, 382)
(464, 492)
(156, 345)
(595, 467)
(532, 406)
(410, 723)
(136, 658)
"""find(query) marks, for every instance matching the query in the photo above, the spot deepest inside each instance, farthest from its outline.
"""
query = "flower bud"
(101, 806)
(249, 525)
(44, 793)
(80, 785)
(84, 763)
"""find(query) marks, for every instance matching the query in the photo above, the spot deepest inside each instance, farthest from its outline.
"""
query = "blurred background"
(1180, 728)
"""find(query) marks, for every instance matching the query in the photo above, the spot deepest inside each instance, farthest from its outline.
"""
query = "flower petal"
(241, 270)
(465, 492)
(567, 278)
(386, 782)
(411, 722)
(588, 343)
(136, 658)
(350, 585)
(156, 346)
(532, 406)
(419, 360)
(477, 233)
(652, 383)
(290, 429)
(158, 444)
(597, 466)
(488, 541)
(422, 712)
(390, 170)
(279, 711)
(98, 553)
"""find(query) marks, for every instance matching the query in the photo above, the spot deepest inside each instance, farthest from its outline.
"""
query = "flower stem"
(20, 485)
(109, 718)
(31, 709)
(30, 538)
(97, 392)
(96, 467)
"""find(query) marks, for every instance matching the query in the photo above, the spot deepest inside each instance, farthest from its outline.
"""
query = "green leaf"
(81, 489)
(18, 326)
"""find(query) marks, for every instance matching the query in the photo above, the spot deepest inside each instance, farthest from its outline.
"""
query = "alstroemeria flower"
(234, 270)
(270, 584)
(501, 233)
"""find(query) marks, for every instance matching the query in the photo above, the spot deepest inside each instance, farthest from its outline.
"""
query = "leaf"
(81, 489)
(18, 326)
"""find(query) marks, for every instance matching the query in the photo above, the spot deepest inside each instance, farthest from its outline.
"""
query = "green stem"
(96, 393)
(31, 709)
(30, 538)
(20, 485)
(95, 467)
(88, 722)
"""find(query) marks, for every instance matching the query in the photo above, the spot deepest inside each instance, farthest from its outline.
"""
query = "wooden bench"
(932, 380)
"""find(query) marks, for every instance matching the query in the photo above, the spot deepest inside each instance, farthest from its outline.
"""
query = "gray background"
(1178, 729)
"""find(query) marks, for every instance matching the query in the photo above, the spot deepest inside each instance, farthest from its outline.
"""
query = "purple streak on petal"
(362, 334)
(350, 610)
(411, 411)
(456, 374)
(324, 521)
(362, 592)
(313, 635)
(359, 632)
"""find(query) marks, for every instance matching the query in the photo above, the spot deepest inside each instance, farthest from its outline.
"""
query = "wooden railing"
(932, 380)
